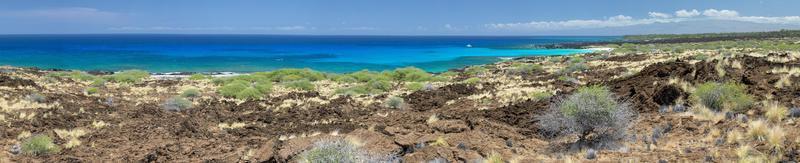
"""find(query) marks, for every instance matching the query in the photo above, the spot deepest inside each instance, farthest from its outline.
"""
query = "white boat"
(469, 45)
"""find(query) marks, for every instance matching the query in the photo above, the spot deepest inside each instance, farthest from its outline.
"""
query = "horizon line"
(266, 34)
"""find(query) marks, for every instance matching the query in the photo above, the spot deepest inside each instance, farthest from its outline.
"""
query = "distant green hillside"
(716, 36)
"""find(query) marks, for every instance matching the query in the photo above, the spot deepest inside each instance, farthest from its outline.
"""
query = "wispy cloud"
(659, 15)
(654, 17)
(70, 14)
(687, 13)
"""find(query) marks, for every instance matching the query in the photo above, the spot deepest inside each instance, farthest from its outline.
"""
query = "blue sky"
(406, 17)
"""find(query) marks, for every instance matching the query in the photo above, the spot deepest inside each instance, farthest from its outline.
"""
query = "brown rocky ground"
(125, 123)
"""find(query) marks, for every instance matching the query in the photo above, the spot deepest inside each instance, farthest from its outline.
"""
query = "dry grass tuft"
(775, 112)
(775, 138)
(734, 136)
(440, 142)
(757, 130)
(786, 80)
(432, 119)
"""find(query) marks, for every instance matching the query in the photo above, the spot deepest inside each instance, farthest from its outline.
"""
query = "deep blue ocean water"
(249, 53)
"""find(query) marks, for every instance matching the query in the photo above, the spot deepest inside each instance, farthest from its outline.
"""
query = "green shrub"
(576, 59)
(232, 88)
(721, 96)
(190, 93)
(98, 82)
(129, 76)
(366, 76)
(345, 79)
(291, 74)
(36, 97)
(590, 110)
(74, 75)
(371, 87)
(177, 104)
(39, 145)
(198, 76)
(303, 85)
(244, 90)
(395, 102)
(448, 74)
(91, 90)
(573, 67)
(536, 96)
(472, 80)
(340, 151)
(249, 93)
(408, 74)
(701, 57)
(263, 87)
(475, 70)
(415, 86)
(380, 85)
(220, 81)
(524, 68)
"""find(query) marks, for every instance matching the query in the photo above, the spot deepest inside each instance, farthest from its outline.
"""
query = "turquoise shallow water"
(249, 53)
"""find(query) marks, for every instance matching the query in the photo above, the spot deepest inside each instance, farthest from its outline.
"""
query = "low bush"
(36, 97)
(291, 74)
(591, 110)
(198, 76)
(415, 86)
(395, 102)
(574, 67)
(303, 85)
(91, 90)
(244, 90)
(472, 80)
(340, 151)
(701, 57)
(190, 93)
(408, 74)
(74, 75)
(177, 104)
(128, 76)
(475, 70)
(721, 96)
(98, 82)
(39, 145)
(525, 68)
(371, 87)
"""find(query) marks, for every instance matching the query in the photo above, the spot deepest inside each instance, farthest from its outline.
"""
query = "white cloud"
(720, 13)
(73, 14)
(654, 17)
(659, 15)
(615, 21)
(686, 13)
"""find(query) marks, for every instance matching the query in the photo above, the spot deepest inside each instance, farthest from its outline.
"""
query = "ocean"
(251, 53)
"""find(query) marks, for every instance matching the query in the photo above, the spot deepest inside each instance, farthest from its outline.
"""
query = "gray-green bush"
(340, 151)
(244, 90)
(722, 96)
(39, 145)
(190, 93)
(128, 76)
(590, 110)
(395, 102)
(303, 85)
(177, 104)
